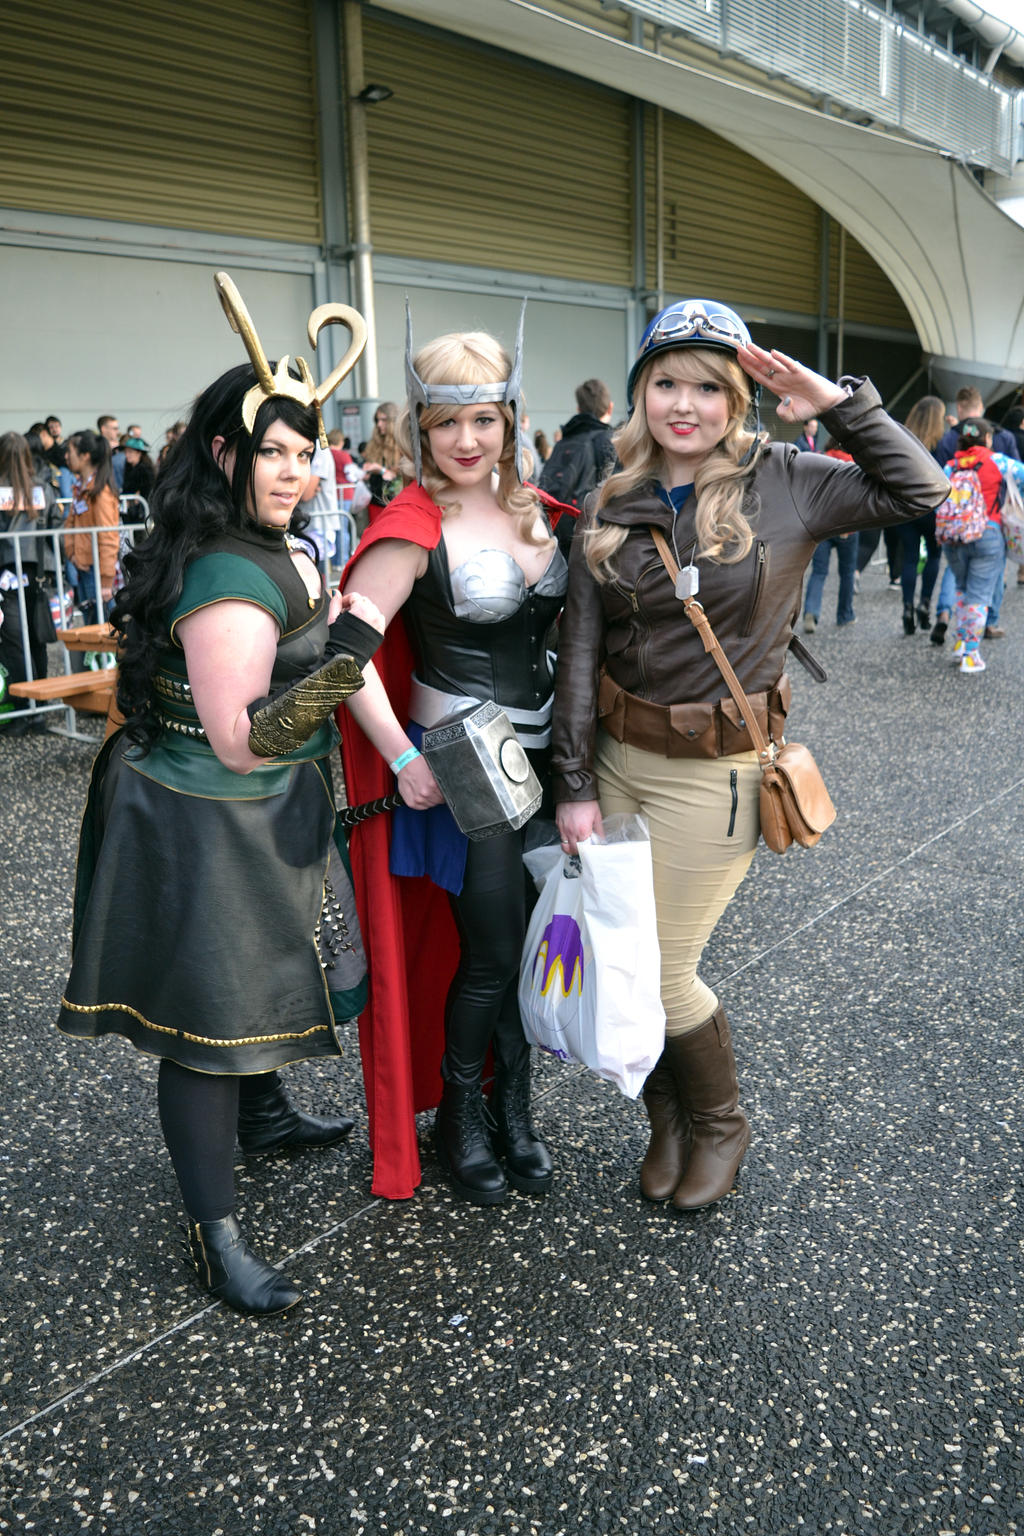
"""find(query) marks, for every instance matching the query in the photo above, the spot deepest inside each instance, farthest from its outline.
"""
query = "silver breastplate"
(490, 585)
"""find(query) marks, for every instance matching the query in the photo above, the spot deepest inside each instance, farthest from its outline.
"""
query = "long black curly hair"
(194, 501)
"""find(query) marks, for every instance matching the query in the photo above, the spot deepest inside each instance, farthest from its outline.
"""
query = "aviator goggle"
(694, 322)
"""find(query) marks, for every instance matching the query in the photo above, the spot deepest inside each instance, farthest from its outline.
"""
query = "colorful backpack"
(1013, 507)
(962, 517)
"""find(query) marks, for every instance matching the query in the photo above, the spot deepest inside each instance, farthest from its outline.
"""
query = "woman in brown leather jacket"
(642, 720)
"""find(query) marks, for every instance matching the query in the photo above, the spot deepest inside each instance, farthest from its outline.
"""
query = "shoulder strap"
(700, 621)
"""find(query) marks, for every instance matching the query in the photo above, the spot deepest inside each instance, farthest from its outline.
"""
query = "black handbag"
(40, 615)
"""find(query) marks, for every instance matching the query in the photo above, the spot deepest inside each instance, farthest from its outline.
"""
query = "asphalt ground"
(835, 1348)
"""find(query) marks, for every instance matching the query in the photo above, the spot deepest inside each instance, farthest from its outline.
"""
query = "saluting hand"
(802, 392)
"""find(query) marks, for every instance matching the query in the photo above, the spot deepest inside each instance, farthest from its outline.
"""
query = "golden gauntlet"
(290, 718)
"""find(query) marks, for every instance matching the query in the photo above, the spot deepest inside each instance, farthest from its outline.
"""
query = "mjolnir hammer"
(481, 769)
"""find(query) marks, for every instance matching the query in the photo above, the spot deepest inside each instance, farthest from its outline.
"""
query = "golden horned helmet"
(281, 384)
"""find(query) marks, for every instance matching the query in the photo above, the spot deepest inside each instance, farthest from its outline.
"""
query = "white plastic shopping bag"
(590, 980)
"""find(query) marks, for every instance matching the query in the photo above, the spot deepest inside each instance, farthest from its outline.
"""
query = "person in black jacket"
(139, 477)
(584, 454)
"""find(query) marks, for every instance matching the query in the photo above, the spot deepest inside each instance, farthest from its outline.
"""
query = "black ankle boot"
(270, 1124)
(908, 619)
(464, 1146)
(526, 1158)
(228, 1269)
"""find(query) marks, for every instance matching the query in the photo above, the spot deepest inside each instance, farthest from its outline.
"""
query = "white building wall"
(138, 336)
(86, 334)
(566, 341)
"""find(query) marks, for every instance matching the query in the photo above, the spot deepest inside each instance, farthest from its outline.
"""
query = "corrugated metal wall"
(735, 228)
(204, 117)
(869, 297)
(549, 188)
(731, 226)
(190, 115)
(491, 160)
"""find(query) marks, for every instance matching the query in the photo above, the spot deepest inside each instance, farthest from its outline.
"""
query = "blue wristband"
(406, 758)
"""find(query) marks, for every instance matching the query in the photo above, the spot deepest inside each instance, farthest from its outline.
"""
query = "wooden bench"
(89, 637)
(91, 693)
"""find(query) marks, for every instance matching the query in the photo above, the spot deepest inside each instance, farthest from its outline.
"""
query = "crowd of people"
(981, 459)
(94, 481)
(241, 670)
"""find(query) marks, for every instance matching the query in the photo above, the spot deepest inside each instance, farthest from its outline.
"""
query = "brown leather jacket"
(634, 628)
(101, 511)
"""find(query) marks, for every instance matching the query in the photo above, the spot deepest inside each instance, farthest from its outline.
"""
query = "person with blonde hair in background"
(643, 723)
(382, 455)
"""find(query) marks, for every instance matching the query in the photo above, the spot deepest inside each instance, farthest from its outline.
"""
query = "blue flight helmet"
(695, 323)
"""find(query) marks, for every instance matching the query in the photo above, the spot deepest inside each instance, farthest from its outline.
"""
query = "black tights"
(199, 1119)
(483, 1004)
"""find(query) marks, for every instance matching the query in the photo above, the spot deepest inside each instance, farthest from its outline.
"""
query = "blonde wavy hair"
(470, 357)
(723, 531)
(382, 447)
(927, 420)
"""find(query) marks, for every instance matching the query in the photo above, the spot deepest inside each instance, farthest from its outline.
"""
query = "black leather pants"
(490, 913)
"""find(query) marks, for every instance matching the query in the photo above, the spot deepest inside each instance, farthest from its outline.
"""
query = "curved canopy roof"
(955, 258)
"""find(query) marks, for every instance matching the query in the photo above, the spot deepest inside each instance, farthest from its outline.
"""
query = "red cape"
(412, 947)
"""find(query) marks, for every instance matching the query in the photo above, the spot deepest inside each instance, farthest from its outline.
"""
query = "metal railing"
(335, 535)
(44, 549)
(854, 54)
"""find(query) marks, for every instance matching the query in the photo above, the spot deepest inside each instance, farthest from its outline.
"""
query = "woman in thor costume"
(214, 922)
(466, 570)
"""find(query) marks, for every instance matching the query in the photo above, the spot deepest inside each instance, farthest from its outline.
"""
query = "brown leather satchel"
(795, 805)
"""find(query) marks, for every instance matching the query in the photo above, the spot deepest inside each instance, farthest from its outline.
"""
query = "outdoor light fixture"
(370, 95)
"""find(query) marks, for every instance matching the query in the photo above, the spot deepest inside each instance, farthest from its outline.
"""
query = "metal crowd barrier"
(335, 535)
(44, 548)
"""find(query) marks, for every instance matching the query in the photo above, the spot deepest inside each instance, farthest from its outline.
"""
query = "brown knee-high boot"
(704, 1069)
(665, 1160)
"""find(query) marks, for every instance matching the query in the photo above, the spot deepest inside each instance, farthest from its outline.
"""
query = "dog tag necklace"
(688, 577)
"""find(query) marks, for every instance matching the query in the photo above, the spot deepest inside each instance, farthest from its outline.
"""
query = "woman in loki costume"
(214, 923)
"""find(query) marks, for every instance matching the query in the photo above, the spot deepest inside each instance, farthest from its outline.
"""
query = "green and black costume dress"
(214, 919)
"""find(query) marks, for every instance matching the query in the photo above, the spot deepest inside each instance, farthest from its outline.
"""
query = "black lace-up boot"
(527, 1160)
(463, 1144)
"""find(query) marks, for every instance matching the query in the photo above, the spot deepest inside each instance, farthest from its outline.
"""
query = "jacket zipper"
(647, 628)
(733, 777)
(760, 561)
(634, 602)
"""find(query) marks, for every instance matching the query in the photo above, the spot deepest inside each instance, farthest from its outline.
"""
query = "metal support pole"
(638, 308)
(359, 183)
(824, 278)
(330, 275)
(659, 207)
(841, 303)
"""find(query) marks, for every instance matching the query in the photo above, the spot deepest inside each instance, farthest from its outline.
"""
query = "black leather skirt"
(218, 932)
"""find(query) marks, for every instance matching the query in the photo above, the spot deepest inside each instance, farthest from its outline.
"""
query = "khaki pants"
(704, 828)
